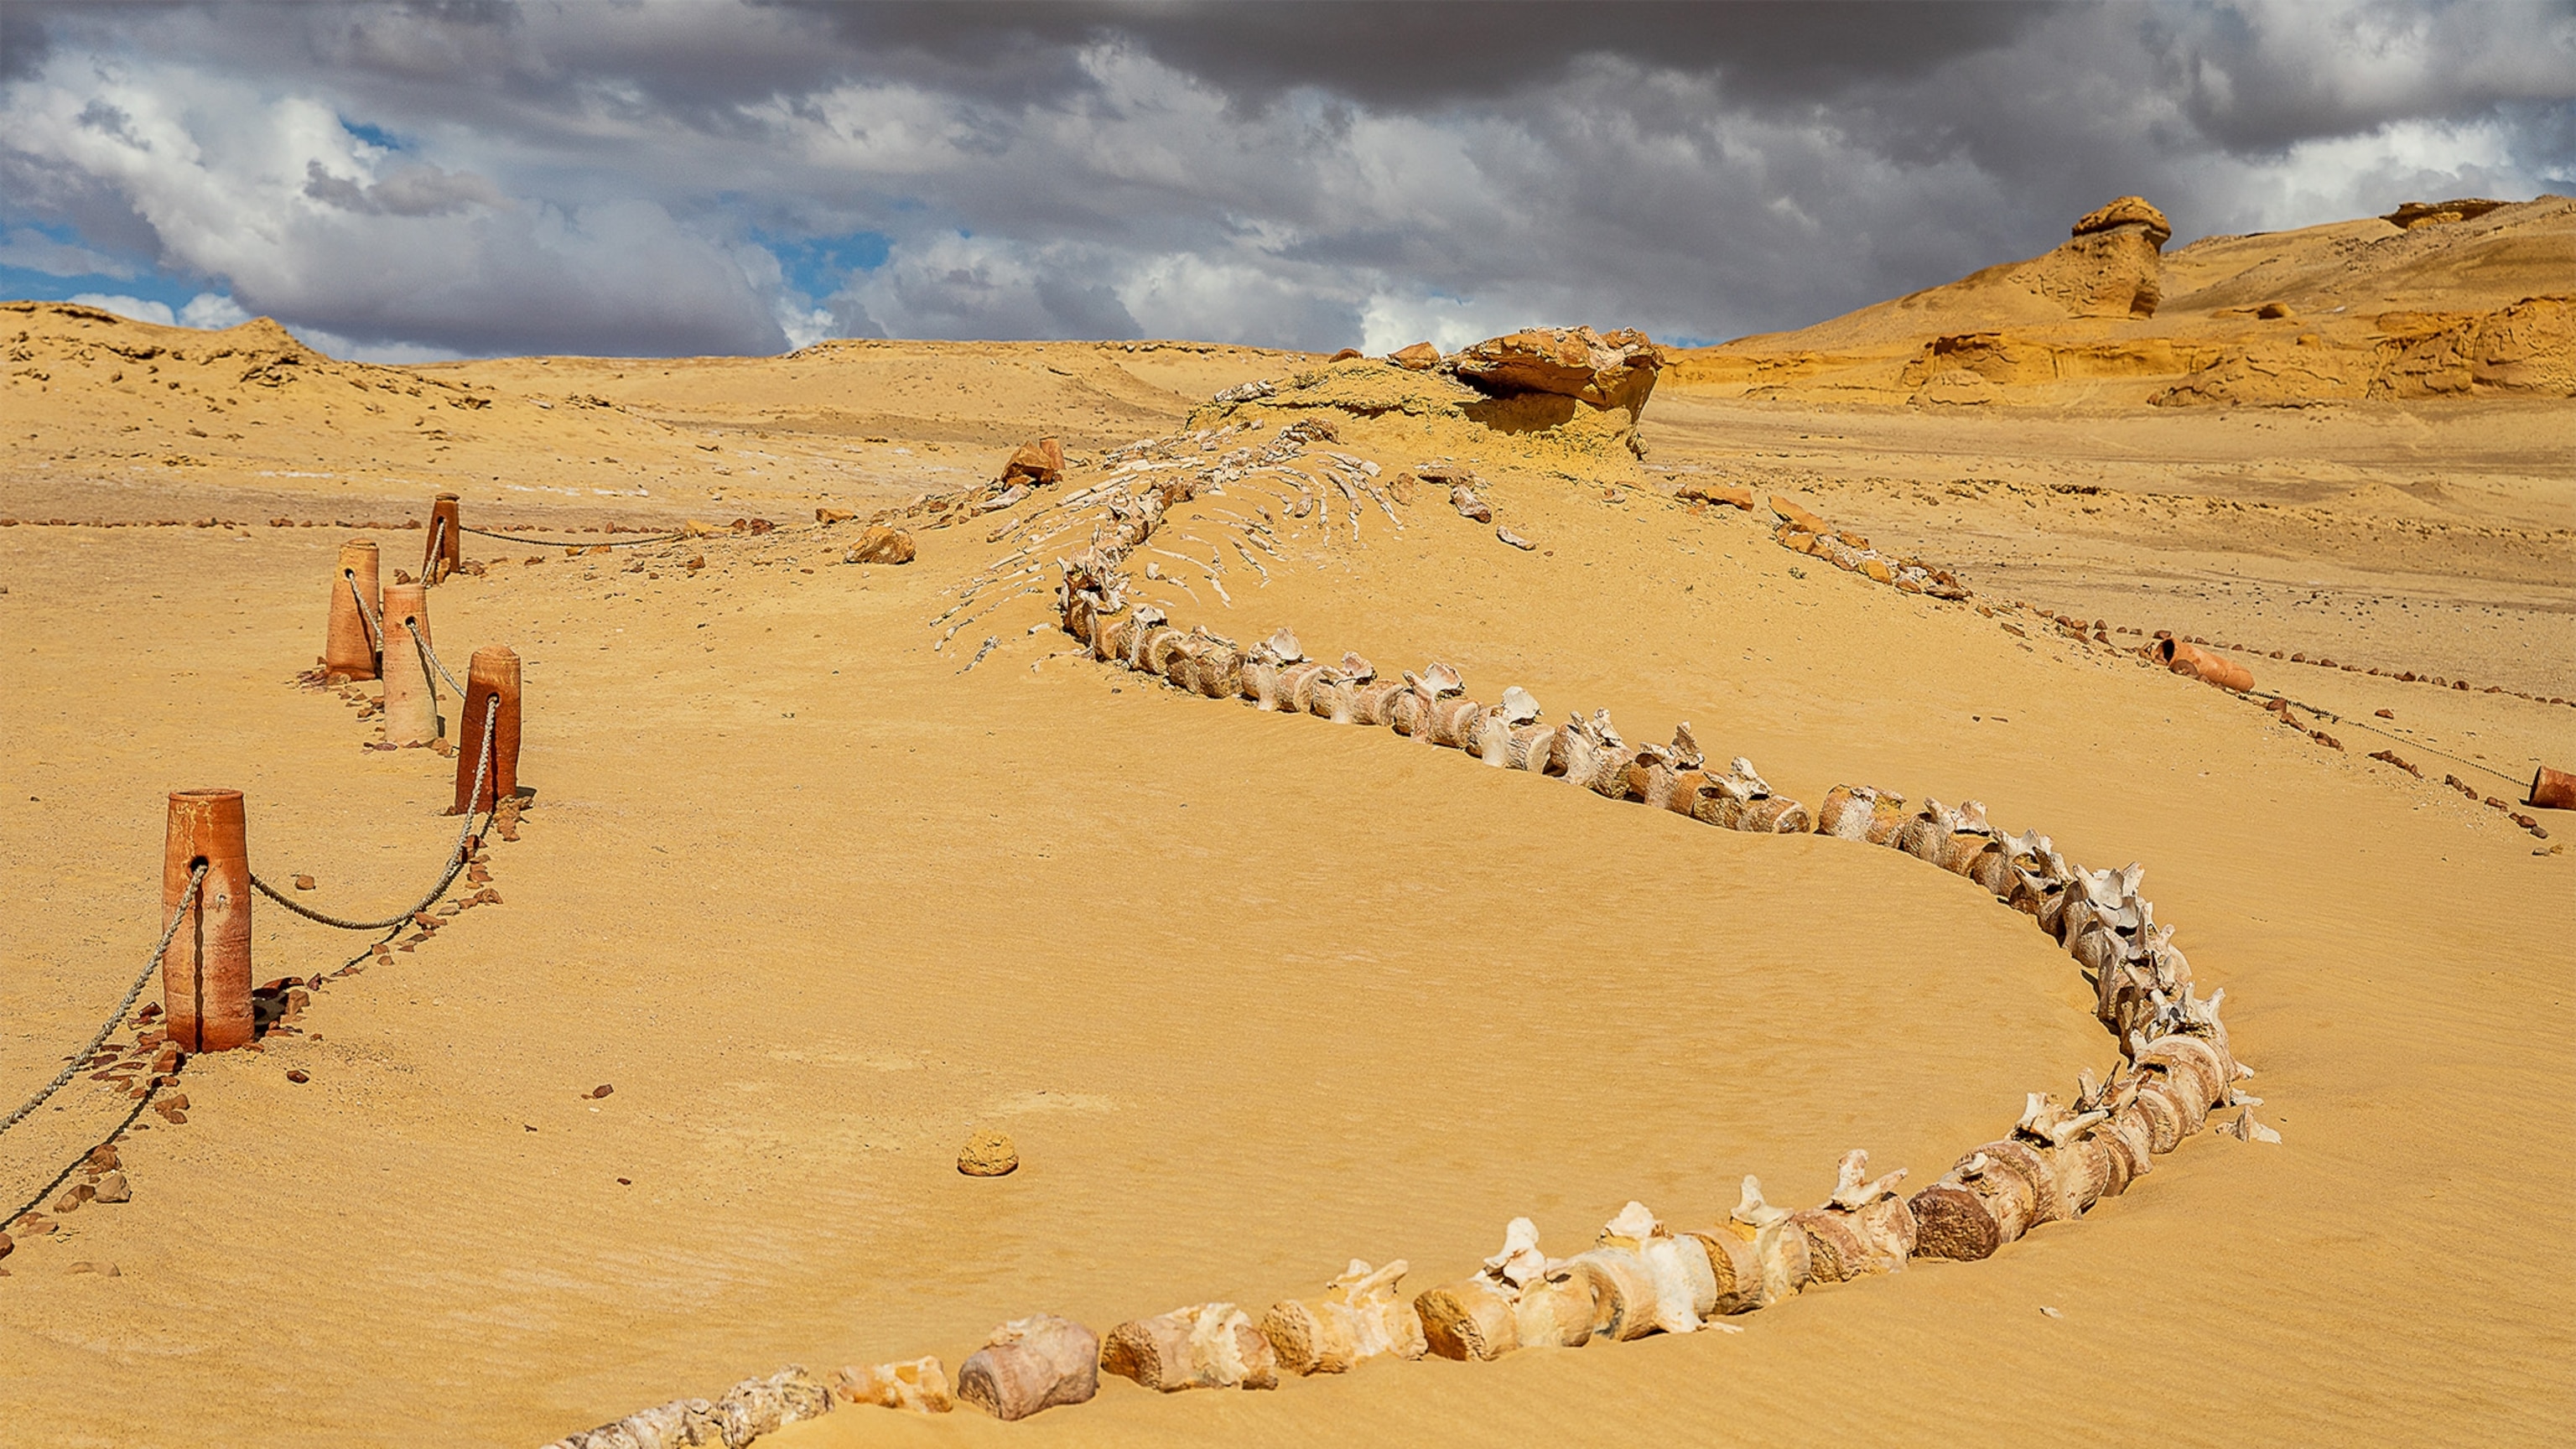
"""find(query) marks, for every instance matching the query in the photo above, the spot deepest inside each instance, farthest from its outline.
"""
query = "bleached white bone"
(1519, 706)
(1752, 1211)
(1855, 1189)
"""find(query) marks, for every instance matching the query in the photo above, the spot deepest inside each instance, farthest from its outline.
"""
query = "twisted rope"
(455, 858)
(2516, 781)
(431, 562)
(375, 630)
(196, 879)
(431, 655)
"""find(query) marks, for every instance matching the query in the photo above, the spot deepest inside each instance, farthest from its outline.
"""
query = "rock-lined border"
(1639, 1278)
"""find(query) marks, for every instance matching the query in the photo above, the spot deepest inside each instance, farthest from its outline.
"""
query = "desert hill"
(2472, 299)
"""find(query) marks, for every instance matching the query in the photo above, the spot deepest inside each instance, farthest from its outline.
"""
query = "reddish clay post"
(2210, 668)
(205, 975)
(411, 695)
(2553, 789)
(445, 550)
(494, 674)
(348, 649)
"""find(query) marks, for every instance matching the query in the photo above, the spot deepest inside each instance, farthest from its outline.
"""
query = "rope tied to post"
(430, 656)
(455, 858)
(187, 898)
(367, 616)
(570, 542)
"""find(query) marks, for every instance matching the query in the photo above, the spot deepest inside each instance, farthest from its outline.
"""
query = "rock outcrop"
(1617, 370)
(2435, 213)
(2111, 267)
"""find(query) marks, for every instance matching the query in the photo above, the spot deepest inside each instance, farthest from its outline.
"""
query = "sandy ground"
(1256, 994)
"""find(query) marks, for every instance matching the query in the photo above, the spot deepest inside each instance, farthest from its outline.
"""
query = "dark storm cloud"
(644, 177)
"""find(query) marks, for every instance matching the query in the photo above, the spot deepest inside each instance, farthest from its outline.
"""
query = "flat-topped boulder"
(1616, 369)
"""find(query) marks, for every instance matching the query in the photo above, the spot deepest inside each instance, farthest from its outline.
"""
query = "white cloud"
(600, 179)
(124, 306)
(210, 311)
(207, 311)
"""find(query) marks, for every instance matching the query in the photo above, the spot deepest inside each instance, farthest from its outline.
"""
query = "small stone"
(2051, 1312)
(9, 1244)
(35, 1225)
(82, 1268)
(103, 1157)
(988, 1154)
(304, 882)
(297, 1075)
(114, 1188)
(602, 1090)
(71, 1200)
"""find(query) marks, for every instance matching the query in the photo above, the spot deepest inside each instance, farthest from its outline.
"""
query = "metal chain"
(455, 858)
(569, 542)
(196, 879)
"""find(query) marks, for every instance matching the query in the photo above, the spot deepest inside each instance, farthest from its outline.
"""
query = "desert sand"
(1255, 994)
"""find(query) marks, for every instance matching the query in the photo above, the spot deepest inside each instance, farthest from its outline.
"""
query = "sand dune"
(1257, 994)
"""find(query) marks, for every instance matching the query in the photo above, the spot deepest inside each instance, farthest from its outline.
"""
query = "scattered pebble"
(2051, 1312)
(988, 1154)
(297, 1075)
(304, 882)
(114, 1188)
(602, 1090)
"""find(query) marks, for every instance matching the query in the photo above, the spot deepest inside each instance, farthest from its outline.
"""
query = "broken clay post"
(493, 674)
(411, 693)
(348, 640)
(205, 975)
(445, 548)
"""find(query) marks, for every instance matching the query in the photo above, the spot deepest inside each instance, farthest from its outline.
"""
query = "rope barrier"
(437, 533)
(568, 542)
(2513, 780)
(431, 657)
(375, 629)
(455, 858)
(196, 879)
(150, 1091)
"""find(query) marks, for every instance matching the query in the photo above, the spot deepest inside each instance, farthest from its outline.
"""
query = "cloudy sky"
(703, 176)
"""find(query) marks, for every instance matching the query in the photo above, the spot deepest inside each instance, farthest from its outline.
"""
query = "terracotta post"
(411, 691)
(348, 650)
(2553, 789)
(494, 674)
(205, 975)
(2210, 668)
(445, 549)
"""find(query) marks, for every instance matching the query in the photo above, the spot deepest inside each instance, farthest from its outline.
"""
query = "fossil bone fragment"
(1650, 1281)
(1592, 754)
(1335, 695)
(1852, 812)
(1478, 1318)
(918, 1385)
(1205, 1346)
(1504, 532)
(1926, 833)
(1877, 1216)
(1359, 1317)
(763, 1406)
(1558, 1309)
(1031, 1364)
(1464, 499)
(1299, 683)
(2246, 1129)
(1411, 715)
(1779, 1246)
